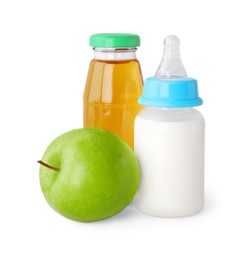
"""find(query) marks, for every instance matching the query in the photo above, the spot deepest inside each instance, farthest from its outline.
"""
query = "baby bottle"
(169, 140)
(113, 85)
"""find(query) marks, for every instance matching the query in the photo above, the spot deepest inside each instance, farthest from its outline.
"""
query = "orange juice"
(113, 86)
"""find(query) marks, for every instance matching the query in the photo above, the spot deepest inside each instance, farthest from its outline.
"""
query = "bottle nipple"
(171, 66)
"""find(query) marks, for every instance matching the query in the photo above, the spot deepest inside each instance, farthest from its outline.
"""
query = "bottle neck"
(115, 54)
(174, 109)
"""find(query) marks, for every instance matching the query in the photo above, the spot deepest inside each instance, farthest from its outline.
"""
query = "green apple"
(89, 174)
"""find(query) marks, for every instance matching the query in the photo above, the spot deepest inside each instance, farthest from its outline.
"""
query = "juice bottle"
(113, 85)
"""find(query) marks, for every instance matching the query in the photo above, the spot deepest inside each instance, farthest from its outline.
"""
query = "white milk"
(169, 144)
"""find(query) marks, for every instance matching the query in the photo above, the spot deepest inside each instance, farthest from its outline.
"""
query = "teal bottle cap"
(170, 93)
(114, 40)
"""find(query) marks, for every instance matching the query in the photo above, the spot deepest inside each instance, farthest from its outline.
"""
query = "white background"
(44, 58)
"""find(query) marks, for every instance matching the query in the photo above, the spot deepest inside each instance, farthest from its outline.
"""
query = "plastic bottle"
(169, 140)
(114, 84)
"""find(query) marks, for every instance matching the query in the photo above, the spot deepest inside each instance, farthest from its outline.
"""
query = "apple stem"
(48, 166)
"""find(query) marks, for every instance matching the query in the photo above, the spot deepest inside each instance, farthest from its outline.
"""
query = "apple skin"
(98, 177)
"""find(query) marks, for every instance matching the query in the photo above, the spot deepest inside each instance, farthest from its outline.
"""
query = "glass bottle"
(113, 85)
